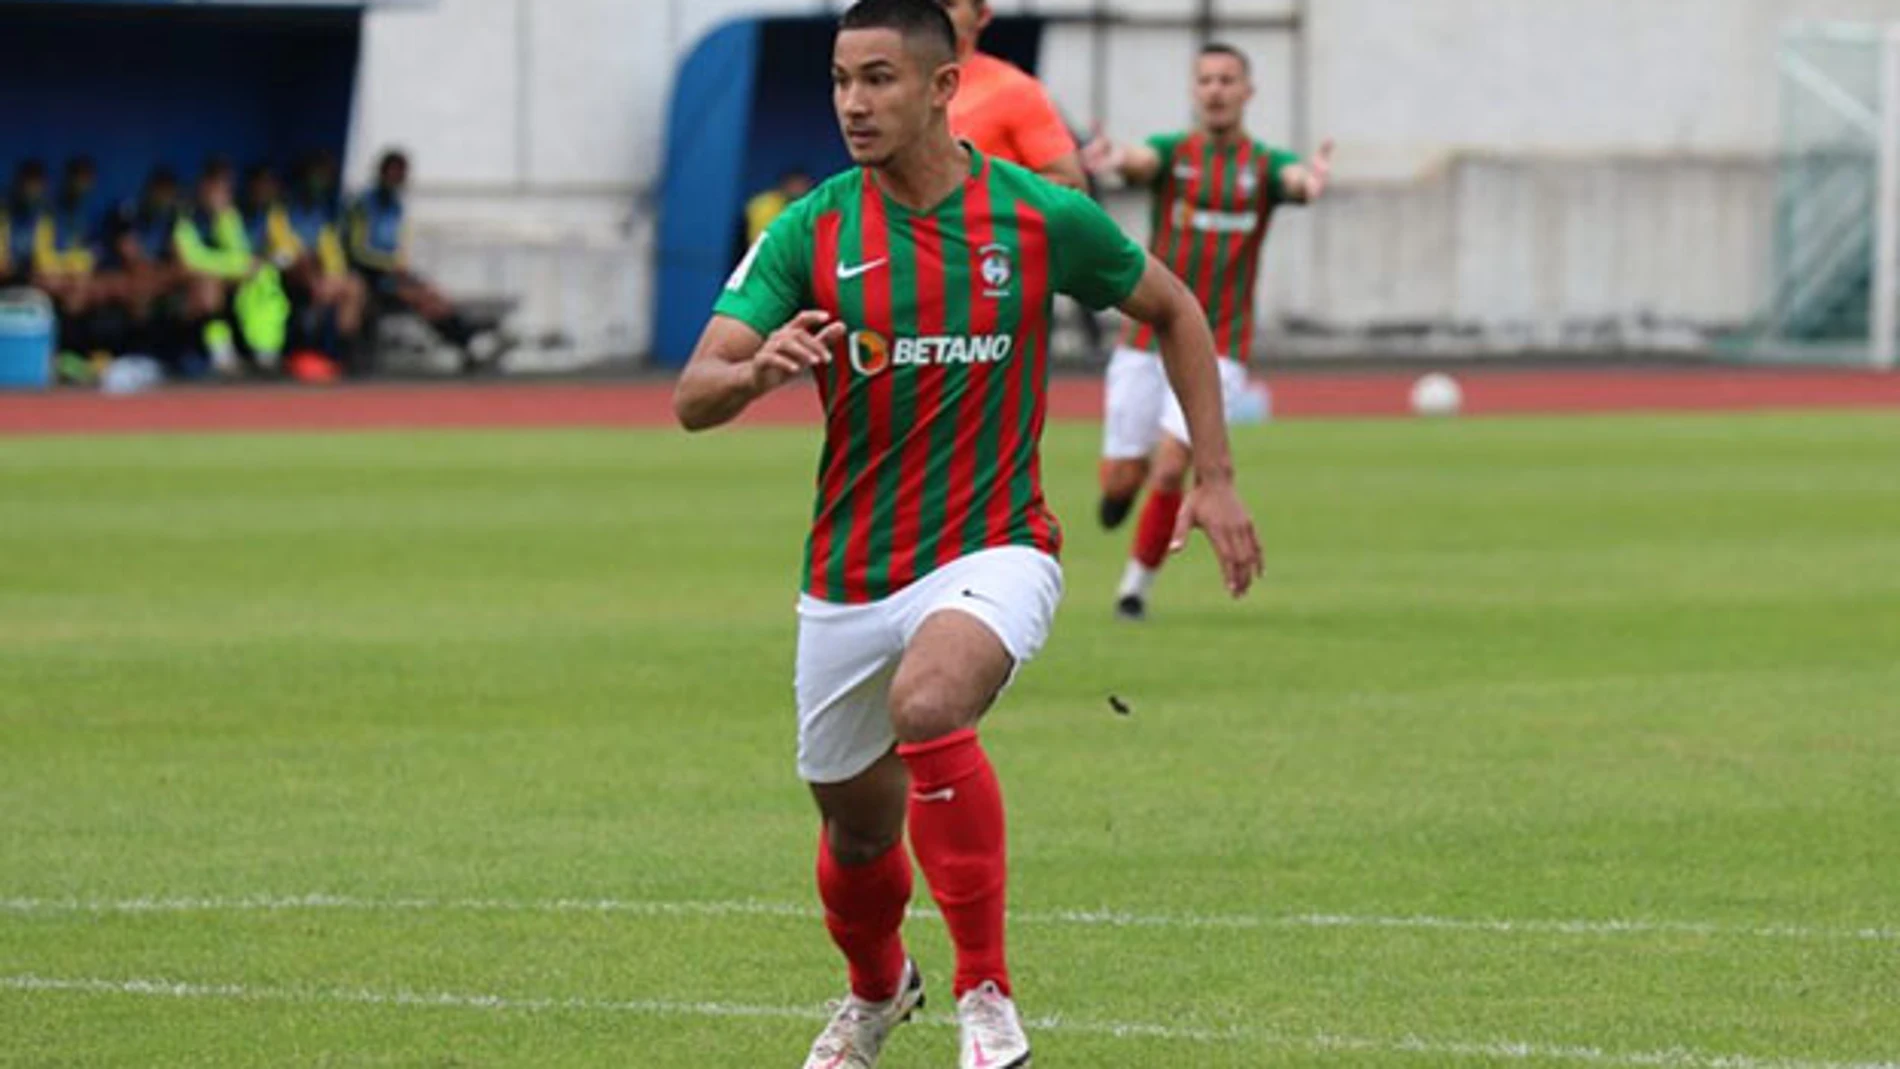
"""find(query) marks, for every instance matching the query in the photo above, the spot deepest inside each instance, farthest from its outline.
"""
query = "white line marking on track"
(1322, 1044)
(1077, 918)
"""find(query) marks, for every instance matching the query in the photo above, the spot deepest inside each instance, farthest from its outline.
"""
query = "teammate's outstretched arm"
(1304, 183)
(733, 366)
(1136, 163)
(1163, 301)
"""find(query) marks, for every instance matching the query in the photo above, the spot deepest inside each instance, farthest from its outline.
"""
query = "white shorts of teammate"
(1142, 407)
(848, 654)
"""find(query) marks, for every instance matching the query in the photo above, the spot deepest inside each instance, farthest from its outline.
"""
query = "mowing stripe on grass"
(1081, 918)
(1321, 1044)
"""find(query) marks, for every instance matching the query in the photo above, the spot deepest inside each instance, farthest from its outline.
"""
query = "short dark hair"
(30, 171)
(920, 22)
(395, 157)
(78, 165)
(1222, 48)
(162, 177)
(216, 169)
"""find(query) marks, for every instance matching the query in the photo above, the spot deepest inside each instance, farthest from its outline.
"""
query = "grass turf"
(1534, 671)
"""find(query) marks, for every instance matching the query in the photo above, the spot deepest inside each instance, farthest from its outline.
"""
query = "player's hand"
(1320, 170)
(1102, 155)
(1216, 509)
(806, 342)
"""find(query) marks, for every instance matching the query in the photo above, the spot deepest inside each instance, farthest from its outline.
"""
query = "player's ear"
(945, 83)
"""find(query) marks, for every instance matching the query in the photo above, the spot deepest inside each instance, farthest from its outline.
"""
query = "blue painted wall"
(134, 85)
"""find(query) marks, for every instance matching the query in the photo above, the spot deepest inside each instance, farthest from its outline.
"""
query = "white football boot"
(855, 1037)
(991, 1032)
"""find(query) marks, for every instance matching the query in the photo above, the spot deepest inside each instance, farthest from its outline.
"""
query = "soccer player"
(1003, 111)
(375, 229)
(1214, 192)
(24, 223)
(139, 254)
(917, 289)
(211, 244)
(300, 238)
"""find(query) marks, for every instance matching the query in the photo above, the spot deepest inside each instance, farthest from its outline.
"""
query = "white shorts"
(848, 654)
(1142, 406)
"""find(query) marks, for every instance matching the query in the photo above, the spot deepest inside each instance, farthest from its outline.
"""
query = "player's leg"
(973, 623)
(1167, 485)
(846, 656)
(207, 301)
(1135, 388)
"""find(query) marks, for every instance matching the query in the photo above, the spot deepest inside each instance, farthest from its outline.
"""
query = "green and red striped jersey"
(935, 402)
(1211, 209)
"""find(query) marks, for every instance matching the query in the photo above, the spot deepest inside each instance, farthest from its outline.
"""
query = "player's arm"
(1304, 181)
(1163, 301)
(1043, 142)
(758, 338)
(734, 365)
(1066, 171)
(1137, 164)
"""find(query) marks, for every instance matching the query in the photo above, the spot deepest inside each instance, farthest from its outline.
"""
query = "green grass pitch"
(1546, 742)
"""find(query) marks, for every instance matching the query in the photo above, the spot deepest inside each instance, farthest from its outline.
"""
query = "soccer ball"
(1437, 394)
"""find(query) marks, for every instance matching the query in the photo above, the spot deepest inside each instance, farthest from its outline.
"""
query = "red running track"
(1296, 395)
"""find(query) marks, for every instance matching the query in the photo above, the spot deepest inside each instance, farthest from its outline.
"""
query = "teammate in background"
(66, 260)
(917, 290)
(1215, 189)
(211, 245)
(316, 269)
(767, 206)
(1003, 111)
(139, 253)
(25, 220)
(375, 235)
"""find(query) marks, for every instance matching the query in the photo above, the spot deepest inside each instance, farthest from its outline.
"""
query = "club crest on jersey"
(997, 270)
(870, 353)
(1186, 172)
(1249, 181)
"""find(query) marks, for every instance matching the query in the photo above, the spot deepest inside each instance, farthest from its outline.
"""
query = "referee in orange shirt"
(1005, 112)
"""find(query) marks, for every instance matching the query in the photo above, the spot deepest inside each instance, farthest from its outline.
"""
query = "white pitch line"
(1321, 1044)
(1066, 918)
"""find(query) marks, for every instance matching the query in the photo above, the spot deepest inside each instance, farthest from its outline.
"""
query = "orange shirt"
(1006, 113)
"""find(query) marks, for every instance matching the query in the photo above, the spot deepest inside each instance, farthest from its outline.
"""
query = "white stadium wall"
(1520, 166)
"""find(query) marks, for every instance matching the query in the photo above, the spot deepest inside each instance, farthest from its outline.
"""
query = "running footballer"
(916, 289)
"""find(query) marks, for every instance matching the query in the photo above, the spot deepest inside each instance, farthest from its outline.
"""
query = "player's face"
(1221, 91)
(885, 93)
(969, 17)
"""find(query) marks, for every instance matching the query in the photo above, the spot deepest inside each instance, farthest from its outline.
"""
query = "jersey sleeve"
(1095, 262)
(1164, 146)
(1278, 160)
(1040, 135)
(774, 280)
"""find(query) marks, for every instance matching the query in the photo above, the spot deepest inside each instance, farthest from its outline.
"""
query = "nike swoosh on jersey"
(948, 794)
(847, 273)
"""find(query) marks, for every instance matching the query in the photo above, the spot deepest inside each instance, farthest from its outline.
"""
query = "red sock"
(956, 831)
(1156, 532)
(864, 911)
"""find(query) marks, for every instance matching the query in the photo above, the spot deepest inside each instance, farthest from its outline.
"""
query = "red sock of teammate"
(956, 830)
(1157, 527)
(864, 910)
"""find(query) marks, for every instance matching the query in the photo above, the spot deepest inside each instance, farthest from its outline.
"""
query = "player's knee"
(926, 709)
(853, 846)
